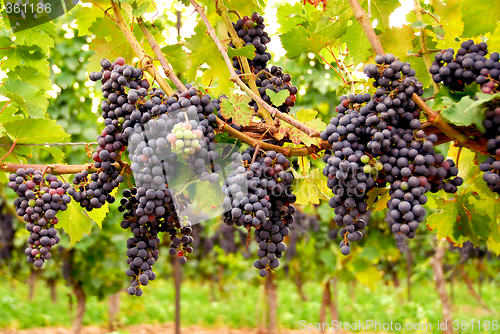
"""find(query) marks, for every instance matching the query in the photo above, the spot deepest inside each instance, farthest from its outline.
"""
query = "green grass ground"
(240, 305)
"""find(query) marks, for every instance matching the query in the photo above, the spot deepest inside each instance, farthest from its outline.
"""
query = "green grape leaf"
(247, 51)
(40, 35)
(56, 153)
(140, 7)
(468, 112)
(14, 55)
(98, 215)
(35, 131)
(381, 10)
(333, 23)
(32, 76)
(358, 45)
(374, 194)
(366, 273)
(85, 17)
(450, 19)
(494, 39)
(18, 154)
(459, 221)
(206, 195)
(278, 98)
(308, 118)
(397, 41)
(310, 188)
(236, 107)
(297, 41)
(74, 222)
(290, 16)
(445, 96)
(27, 96)
(488, 13)
(177, 57)
(204, 51)
(106, 32)
(9, 112)
(465, 160)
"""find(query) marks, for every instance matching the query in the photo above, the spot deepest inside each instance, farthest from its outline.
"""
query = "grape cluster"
(38, 203)
(469, 64)
(7, 232)
(251, 30)
(491, 169)
(276, 82)
(147, 213)
(257, 194)
(375, 143)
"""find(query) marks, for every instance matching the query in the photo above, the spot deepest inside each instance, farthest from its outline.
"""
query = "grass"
(241, 306)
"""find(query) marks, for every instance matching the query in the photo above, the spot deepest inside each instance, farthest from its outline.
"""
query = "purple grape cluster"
(38, 202)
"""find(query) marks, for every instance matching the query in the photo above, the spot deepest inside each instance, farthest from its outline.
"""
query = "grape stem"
(424, 51)
(169, 72)
(365, 23)
(149, 66)
(235, 78)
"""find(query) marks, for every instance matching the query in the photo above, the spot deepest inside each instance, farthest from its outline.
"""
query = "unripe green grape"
(378, 166)
(179, 144)
(187, 142)
(188, 134)
(195, 143)
(187, 151)
(32, 202)
(179, 134)
(365, 159)
(177, 127)
(367, 168)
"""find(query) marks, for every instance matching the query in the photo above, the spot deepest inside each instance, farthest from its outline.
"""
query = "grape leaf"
(247, 51)
(381, 10)
(85, 17)
(206, 195)
(466, 162)
(236, 107)
(494, 39)
(487, 11)
(106, 31)
(18, 154)
(458, 221)
(28, 55)
(278, 98)
(306, 117)
(450, 19)
(468, 112)
(74, 222)
(56, 153)
(374, 194)
(311, 188)
(297, 41)
(40, 35)
(204, 51)
(358, 45)
(333, 23)
(177, 57)
(32, 76)
(35, 131)
(290, 16)
(9, 112)
(27, 96)
(397, 41)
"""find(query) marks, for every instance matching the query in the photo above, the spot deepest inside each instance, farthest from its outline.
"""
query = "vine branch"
(52, 169)
(169, 72)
